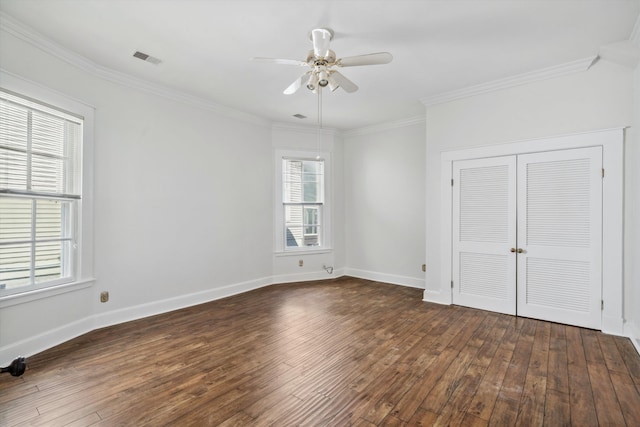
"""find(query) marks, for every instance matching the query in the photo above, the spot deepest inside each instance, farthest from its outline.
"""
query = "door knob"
(520, 250)
(513, 249)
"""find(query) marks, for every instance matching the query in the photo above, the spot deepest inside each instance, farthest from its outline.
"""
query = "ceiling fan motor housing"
(329, 59)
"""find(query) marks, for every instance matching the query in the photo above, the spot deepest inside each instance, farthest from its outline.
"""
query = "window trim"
(279, 235)
(81, 274)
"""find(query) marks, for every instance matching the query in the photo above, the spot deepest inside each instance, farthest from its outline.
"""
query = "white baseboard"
(36, 344)
(394, 279)
(436, 297)
(632, 331)
(304, 277)
(612, 325)
(176, 303)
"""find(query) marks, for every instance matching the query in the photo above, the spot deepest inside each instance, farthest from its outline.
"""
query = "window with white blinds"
(303, 201)
(40, 179)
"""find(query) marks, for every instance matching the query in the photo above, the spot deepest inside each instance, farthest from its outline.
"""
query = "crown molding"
(508, 82)
(396, 124)
(28, 35)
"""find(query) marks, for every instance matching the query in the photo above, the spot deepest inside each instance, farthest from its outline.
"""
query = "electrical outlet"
(104, 296)
(424, 267)
(300, 263)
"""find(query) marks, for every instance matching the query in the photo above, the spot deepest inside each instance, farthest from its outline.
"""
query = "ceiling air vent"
(147, 58)
(299, 116)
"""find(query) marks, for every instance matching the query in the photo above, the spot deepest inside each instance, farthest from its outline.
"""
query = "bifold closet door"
(559, 272)
(484, 232)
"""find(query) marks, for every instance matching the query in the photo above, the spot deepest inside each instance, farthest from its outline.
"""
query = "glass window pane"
(311, 192)
(47, 134)
(13, 169)
(48, 265)
(294, 236)
(13, 126)
(49, 219)
(311, 216)
(15, 219)
(47, 174)
(292, 192)
(293, 215)
(303, 180)
(15, 265)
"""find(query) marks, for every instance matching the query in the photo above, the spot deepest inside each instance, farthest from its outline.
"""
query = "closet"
(526, 234)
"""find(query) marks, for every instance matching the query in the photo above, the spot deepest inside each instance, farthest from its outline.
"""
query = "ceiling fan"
(322, 65)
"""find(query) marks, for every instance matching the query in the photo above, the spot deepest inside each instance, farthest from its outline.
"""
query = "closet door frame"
(611, 141)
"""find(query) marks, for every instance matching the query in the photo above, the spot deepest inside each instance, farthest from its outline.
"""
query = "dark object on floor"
(17, 367)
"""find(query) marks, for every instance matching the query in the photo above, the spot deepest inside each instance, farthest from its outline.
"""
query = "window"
(302, 212)
(40, 180)
(303, 199)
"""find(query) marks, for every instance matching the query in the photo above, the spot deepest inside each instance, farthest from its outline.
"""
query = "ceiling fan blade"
(280, 61)
(344, 82)
(321, 38)
(369, 59)
(293, 87)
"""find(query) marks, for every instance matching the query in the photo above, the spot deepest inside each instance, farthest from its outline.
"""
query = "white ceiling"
(438, 46)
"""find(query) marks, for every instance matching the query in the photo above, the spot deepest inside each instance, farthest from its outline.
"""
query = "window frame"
(80, 215)
(279, 204)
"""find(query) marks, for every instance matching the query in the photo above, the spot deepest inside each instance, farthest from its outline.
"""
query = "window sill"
(36, 294)
(299, 252)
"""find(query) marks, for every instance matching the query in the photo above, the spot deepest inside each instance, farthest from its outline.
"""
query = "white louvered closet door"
(560, 234)
(484, 218)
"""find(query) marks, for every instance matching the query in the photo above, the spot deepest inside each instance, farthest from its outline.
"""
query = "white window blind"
(40, 177)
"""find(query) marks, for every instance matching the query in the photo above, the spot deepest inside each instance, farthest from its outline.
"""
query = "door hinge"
(601, 304)
(452, 284)
(452, 182)
(603, 172)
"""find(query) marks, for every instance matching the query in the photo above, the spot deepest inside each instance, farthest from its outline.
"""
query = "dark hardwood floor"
(342, 352)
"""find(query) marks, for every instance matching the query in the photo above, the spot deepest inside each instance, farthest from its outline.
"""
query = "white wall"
(385, 204)
(182, 199)
(599, 98)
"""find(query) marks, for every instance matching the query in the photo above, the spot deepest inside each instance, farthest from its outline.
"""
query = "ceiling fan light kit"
(321, 60)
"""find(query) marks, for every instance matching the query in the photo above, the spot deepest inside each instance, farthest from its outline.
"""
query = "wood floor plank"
(505, 412)
(490, 385)
(470, 420)
(557, 377)
(612, 357)
(628, 396)
(557, 411)
(629, 355)
(489, 388)
(532, 404)
(455, 410)
(422, 417)
(607, 406)
(513, 383)
(330, 353)
(583, 410)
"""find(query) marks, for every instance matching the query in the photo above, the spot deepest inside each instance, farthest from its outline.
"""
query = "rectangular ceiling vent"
(147, 58)
(299, 116)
